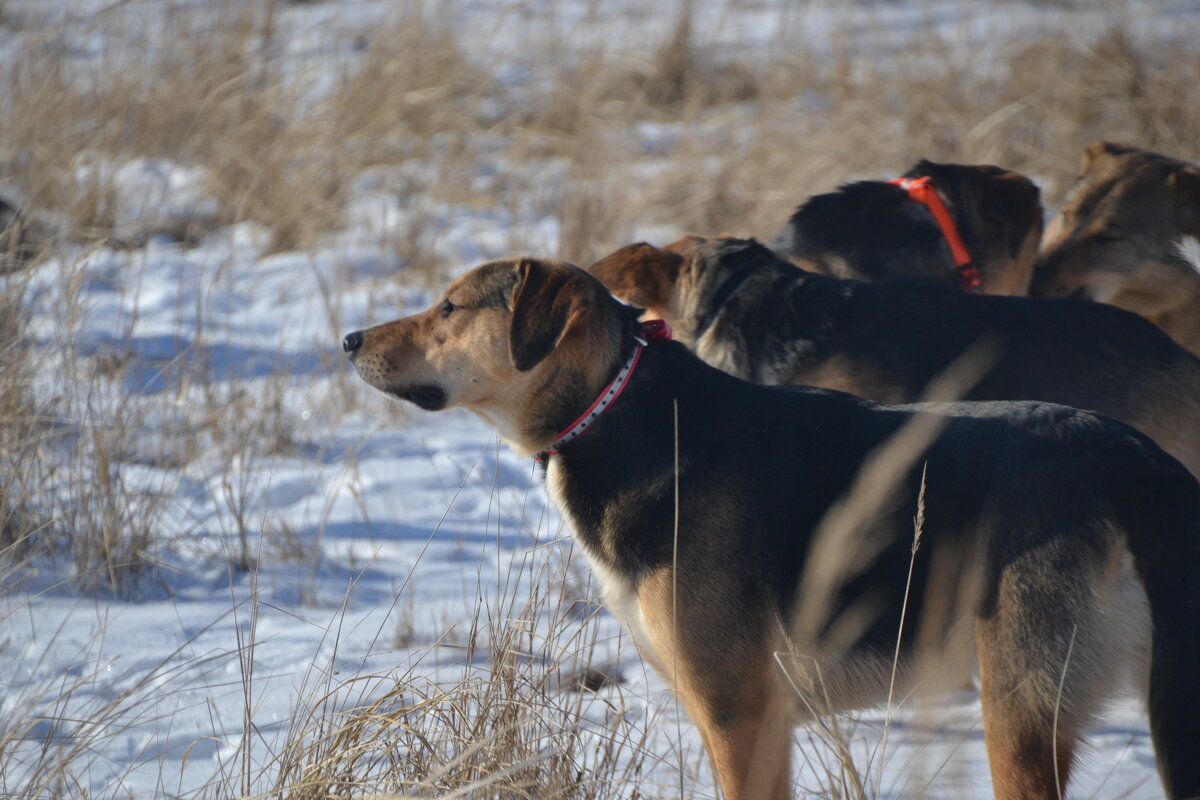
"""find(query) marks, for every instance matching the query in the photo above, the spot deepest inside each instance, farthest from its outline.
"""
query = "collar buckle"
(655, 330)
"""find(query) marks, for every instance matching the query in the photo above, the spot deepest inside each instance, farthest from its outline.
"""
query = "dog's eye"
(446, 308)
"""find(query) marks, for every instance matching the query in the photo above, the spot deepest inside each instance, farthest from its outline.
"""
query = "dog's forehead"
(1132, 192)
(489, 285)
(1127, 169)
(717, 255)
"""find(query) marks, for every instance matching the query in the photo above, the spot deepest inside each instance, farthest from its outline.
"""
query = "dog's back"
(889, 340)
(867, 230)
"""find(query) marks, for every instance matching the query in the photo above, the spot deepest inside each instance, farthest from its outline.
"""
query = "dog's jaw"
(424, 396)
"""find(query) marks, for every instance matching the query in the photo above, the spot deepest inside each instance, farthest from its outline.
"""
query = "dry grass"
(514, 724)
(519, 718)
(19, 431)
(751, 132)
(217, 97)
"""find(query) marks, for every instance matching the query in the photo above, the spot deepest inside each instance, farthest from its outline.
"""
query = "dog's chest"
(618, 589)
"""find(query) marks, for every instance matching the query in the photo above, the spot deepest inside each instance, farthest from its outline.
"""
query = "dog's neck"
(561, 392)
(650, 331)
(561, 396)
(607, 397)
(724, 291)
(627, 438)
(751, 264)
(923, 191)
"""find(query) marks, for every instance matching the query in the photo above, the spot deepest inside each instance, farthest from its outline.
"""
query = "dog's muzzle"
(371, 368)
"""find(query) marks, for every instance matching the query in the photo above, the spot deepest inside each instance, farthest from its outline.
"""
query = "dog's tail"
(1164, 537)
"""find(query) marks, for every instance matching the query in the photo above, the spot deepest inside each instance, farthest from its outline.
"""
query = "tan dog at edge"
(1117, 239)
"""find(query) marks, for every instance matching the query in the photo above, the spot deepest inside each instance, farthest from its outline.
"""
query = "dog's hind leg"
(750, 750)
(725, 676)
(1058, 633)
(1029, 762)
(1029, 747)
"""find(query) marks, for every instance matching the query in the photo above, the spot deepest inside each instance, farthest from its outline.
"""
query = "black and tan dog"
(761, 319)
(1116, 238)
(870, 230)
(698, 498)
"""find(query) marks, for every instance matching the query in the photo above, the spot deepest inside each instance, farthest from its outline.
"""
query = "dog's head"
(1114, 239)
(512, 341)
(999, 214)
(645, 276)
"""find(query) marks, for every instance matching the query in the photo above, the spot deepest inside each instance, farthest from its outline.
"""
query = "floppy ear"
(1011, 207)
(545, 304)
(1185, 188)
(639, 274)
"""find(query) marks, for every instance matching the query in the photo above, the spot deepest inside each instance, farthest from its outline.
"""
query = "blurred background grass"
(609, 133)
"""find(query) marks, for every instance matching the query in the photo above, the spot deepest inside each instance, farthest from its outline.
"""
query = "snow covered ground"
(316, 545)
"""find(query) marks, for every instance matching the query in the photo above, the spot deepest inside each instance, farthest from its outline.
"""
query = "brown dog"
(763, 320)
(1058, 548)
(870, 230)
(1116, 238)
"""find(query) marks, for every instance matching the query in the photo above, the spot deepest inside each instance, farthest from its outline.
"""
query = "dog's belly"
(827, 683)
(1109, 629)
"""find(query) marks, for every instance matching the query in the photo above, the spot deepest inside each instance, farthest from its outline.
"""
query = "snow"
(318, 531)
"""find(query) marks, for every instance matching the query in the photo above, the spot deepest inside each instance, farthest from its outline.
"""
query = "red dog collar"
(652, 331)
(921, 190)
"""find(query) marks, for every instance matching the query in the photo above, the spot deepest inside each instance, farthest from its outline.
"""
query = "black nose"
(352, 342)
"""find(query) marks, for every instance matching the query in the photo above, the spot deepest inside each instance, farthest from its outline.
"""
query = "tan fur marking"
(1017, 732)
(1008, 208)
(1014, 275)
(1021, 769)
(751, 751)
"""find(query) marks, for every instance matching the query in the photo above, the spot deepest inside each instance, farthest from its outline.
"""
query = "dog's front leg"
(718, 655)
